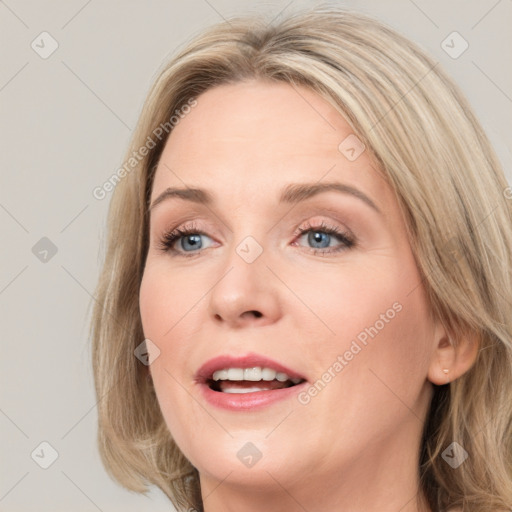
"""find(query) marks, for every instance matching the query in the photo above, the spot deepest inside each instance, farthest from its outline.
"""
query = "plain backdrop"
(65, 123)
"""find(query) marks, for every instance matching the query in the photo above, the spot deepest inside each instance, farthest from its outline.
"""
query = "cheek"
(160, 309)
(383, 336)
(153, 301)
(363, 302)
(168, 319)
(163, 299)
(167, 316)
(372, 372)
(373, 318)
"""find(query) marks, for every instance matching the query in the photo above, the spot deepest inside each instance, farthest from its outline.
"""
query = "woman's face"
(339, 308)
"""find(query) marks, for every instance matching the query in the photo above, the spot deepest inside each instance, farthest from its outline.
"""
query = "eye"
(320, 237)
(188, 237)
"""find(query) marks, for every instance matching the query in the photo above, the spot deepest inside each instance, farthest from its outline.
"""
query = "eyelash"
(169, 238)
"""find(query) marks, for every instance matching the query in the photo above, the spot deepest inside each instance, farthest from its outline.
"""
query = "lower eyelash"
(169, 238)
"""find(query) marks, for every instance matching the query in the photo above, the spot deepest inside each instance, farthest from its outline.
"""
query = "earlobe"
(452, 358)
(442, 363)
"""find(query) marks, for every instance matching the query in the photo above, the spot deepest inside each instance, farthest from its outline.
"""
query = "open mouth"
(250, 380)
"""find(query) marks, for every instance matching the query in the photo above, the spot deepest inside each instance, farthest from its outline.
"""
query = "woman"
(305, 301)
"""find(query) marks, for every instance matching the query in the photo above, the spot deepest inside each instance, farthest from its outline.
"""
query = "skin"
(354, 446)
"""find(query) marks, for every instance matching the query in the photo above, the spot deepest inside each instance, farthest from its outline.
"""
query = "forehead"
(253, 138)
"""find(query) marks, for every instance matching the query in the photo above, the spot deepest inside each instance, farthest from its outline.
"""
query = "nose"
(244, 293)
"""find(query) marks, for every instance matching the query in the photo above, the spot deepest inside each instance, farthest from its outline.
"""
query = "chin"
(251, 457)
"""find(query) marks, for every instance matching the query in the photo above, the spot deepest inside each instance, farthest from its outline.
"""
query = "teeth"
(235, 374)
(268, 374)
(220, 375)
(252, 374)
(243, 390)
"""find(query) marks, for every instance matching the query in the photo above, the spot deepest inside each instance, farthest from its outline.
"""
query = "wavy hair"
(423, 135)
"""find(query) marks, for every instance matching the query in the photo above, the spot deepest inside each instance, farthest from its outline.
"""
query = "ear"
(452, 356)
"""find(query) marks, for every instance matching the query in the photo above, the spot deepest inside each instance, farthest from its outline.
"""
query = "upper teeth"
(256, 373)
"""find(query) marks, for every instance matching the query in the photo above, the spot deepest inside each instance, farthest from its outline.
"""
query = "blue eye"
(325, 234)
(189, 237)
(194, 241)
(320, 237)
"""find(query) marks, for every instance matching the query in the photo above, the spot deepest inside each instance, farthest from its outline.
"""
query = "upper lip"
(252, 360)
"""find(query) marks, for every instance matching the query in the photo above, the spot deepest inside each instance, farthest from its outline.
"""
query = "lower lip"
(249, 401)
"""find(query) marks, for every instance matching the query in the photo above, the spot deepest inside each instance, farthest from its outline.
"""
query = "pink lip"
(244, 401)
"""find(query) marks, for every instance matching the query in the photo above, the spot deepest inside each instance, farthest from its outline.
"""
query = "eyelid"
(332, 229)
(345, 237)
(315, 222)
(197, 224)
(175, 233)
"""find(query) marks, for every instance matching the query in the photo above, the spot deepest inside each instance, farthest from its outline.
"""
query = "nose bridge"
(248, 237)
(244, 268)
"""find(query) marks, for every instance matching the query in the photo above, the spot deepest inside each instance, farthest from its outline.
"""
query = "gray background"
(65, 125)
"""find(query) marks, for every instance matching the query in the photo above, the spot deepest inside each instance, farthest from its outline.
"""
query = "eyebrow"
(291, 194)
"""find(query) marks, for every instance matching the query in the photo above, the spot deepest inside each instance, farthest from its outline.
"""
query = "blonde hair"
(422, 132)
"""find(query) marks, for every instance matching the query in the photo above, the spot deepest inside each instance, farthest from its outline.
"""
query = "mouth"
(246, 381)
(250, 380)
